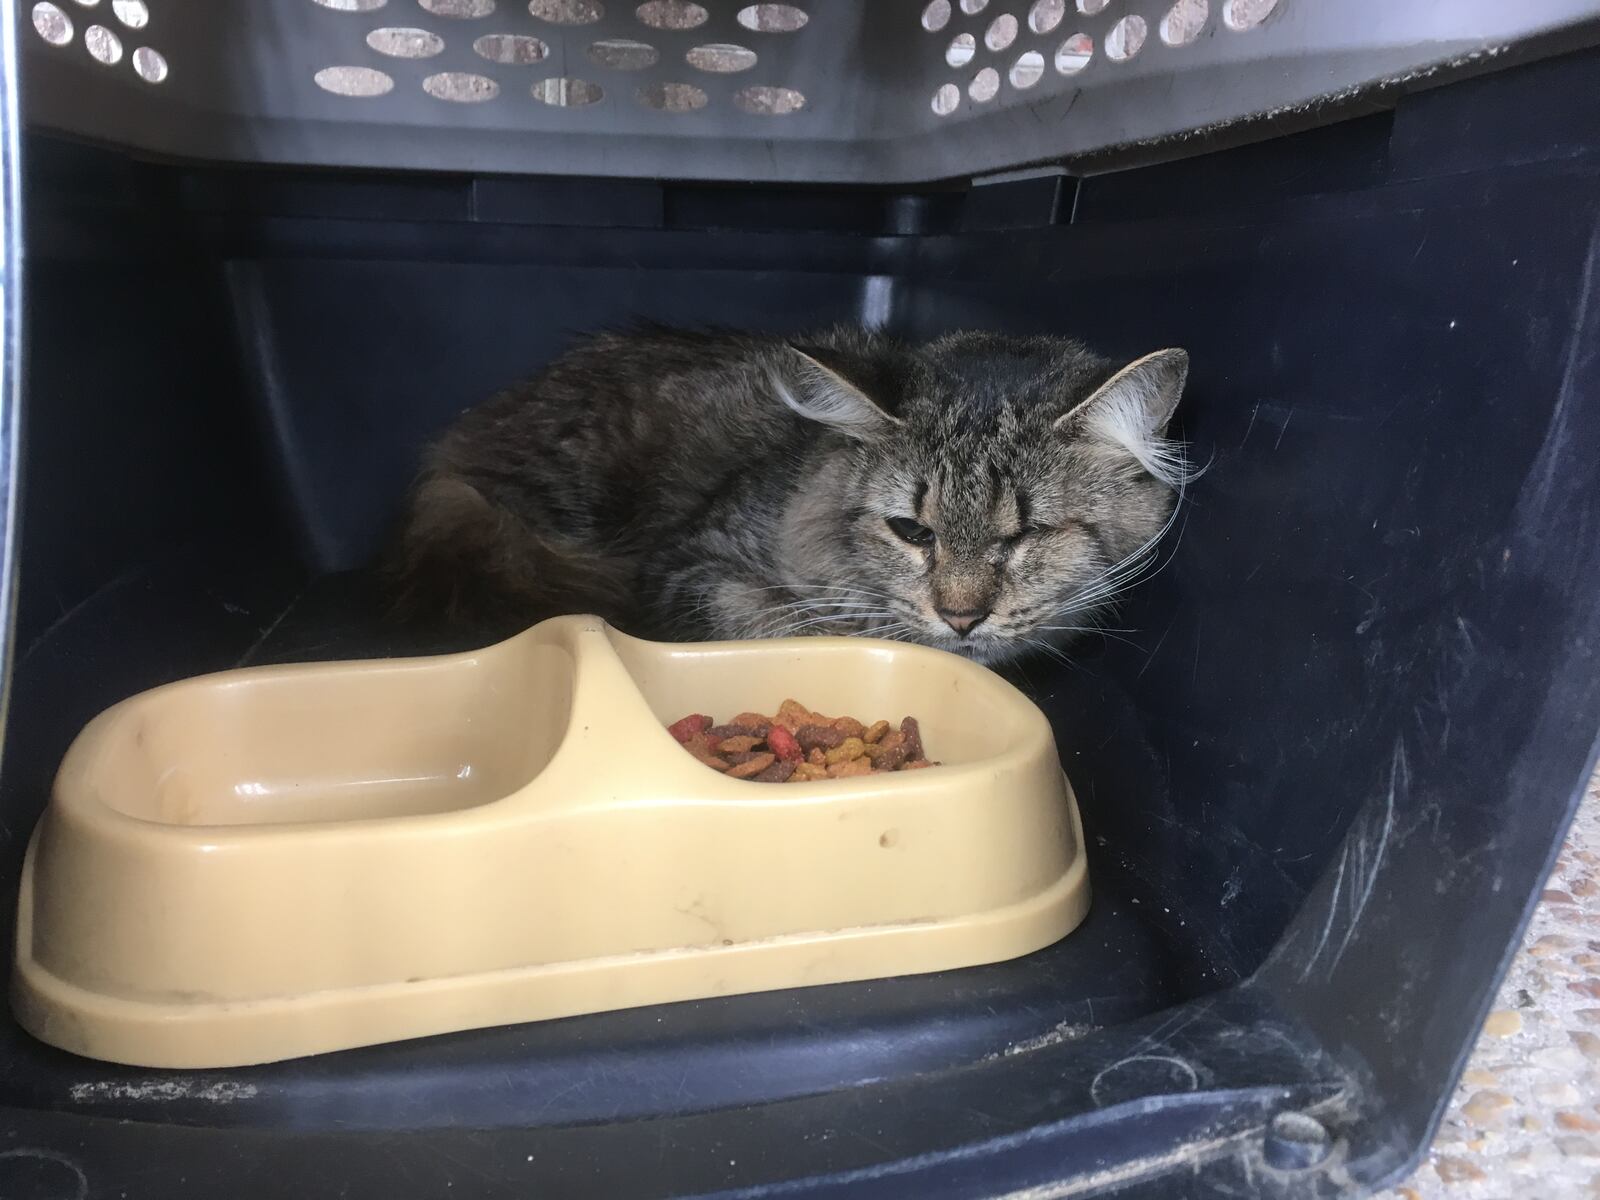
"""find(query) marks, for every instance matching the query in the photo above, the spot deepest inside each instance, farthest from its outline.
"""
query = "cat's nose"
(963, 622)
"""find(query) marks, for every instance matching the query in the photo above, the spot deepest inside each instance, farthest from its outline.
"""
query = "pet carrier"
(258, 253)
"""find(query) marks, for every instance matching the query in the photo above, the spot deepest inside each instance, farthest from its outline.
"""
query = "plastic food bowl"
(282, 861)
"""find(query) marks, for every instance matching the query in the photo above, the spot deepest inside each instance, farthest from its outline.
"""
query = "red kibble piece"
(685, 729)
(782, 743)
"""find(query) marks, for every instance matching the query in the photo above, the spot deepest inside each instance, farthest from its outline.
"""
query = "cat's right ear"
(819, 393)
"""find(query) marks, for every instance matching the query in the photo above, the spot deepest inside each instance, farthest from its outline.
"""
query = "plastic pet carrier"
(257, 253)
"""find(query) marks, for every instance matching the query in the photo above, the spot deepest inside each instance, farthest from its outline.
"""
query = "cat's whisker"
(809, 605)
(1045, 647)
(794, 627)
(1105, 633)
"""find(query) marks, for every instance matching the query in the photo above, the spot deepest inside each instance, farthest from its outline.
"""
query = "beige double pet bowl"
(282, 861)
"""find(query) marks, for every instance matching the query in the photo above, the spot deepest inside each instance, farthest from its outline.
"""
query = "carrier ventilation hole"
(985, 85)
(513, 49)
(1074, 54)
(1045, 15)
(150, 65)
(351, 5)
(1126, 38)
(671, 97)
(973, 6)
(53, 25)
(1001, 33)
(103, 45)
(567, 12)
(135, 14)
(773, 18)
(405, 43)
(946, 100)
(1184, 21)
(562, 92)
(961, 49)
(671, 14)
(1239, 15)
(621, 54)
(769, 101)
(721, 58)
(1089, 7)
(87, 3)
(1027, 70)
(461, 87)
(353, 81)
(936, 16)
(467, 9)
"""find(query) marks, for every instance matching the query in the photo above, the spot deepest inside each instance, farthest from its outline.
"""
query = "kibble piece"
(733, 729)
(692, 724)
(917, 764)
(849, 726)
(778, 772)
(875, 732)
(847, 751)
(710, 760)
(792, 714)
(891, 748)
(818, 757)
(811, 737)
(752, 766)
(913, 735)
(784, 745)
(753, 720)
(807, 773)
(885, 757)
(738, 745)
(850, 767)
(702, 745)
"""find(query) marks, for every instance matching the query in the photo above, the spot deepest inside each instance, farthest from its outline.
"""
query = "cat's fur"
(716, 485)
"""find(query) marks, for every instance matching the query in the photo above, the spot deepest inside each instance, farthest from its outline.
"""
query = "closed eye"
(912, 532)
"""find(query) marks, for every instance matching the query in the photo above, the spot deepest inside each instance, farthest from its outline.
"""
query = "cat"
(982, 493)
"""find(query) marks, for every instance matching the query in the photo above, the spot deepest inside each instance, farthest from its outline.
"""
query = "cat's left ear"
(820, 393)
(1134, 406)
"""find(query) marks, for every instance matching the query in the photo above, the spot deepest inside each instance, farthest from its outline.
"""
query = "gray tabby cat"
(981, 493)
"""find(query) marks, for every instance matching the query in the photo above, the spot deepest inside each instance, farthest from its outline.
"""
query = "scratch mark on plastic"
(1159, 643)
(1333, 908)
(1398, 770)
(1254, 413)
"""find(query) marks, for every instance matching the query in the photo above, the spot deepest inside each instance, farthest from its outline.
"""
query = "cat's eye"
(911, 531)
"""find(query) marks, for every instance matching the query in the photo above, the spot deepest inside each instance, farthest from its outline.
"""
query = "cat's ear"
(1133, 407)
(1138, 401)
(822, 394)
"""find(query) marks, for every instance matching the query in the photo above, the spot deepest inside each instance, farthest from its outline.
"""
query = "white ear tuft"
(823, 395)
(1132, 409)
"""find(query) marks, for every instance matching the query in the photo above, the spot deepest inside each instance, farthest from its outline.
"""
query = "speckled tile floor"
(1525, 1121)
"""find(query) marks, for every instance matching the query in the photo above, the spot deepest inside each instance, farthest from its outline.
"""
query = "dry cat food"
(799, 746)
